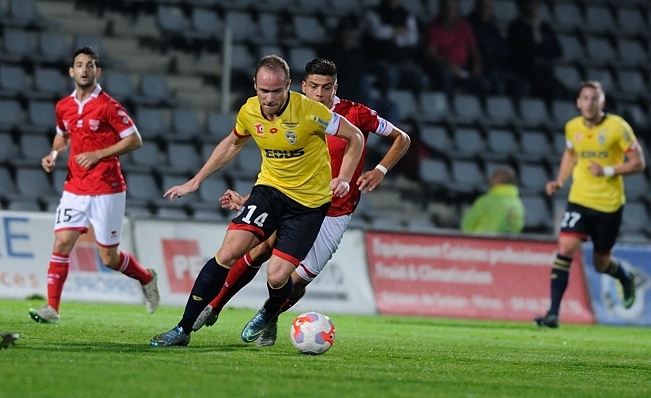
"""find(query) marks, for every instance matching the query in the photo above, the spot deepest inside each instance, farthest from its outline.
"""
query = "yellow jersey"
(295, 157)
(606, 144)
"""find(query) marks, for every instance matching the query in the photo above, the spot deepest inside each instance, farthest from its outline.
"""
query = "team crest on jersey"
(93, 124)
(80, 123)
(601, 139)
(578, 136)
(259, 128)
(291, 137)
(125, 118)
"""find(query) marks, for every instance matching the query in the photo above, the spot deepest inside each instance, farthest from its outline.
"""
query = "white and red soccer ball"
(312, 333)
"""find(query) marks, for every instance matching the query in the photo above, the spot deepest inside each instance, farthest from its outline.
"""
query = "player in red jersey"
(320, 84)
(98, 130)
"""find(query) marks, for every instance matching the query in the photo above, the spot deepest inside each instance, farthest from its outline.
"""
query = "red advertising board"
(453, 276)
(182, 262)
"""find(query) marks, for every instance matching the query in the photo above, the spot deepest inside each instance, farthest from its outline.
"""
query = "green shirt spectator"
(500, 210)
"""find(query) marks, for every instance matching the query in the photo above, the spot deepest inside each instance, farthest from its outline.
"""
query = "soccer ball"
(312, 333)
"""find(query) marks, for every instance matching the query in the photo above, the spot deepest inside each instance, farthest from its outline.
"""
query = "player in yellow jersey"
(291, 195)
(601, 148)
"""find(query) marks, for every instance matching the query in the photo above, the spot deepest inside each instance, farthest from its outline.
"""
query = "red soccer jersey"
(97, 123)
(368, 121)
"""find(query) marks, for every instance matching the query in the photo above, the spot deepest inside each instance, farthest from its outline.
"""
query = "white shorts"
(104, 212)
(325, 245)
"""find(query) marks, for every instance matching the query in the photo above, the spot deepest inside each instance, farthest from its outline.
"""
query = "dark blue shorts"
(268, 210)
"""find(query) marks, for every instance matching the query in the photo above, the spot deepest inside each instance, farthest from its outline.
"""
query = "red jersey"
(96, 123)
(368, 121)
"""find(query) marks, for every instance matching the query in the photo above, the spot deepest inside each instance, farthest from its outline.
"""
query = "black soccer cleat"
(549, 320)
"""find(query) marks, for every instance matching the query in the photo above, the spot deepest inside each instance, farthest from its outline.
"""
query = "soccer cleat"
(170, 338)
(549, 320)
(268, 337)
(207, 318)
(628, 292)
(150, 290)
(45, 314)
(256, 326)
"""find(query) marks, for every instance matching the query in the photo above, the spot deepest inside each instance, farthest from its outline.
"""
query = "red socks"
(241, 273)
(129, 266)
(57, 273)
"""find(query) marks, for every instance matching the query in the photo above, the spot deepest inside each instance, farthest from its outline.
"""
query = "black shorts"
(268, 210)
(602, 228)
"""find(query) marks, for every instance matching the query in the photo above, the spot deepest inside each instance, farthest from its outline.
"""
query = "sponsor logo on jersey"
(594, 154)
(289, 125)
(320, 121)
(259, 128)
(291, 137)
(283, 153)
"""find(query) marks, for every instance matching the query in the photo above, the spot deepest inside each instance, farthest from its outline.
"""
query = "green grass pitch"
(102, 350)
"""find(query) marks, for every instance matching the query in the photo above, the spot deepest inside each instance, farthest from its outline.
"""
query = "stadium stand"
(165, 63)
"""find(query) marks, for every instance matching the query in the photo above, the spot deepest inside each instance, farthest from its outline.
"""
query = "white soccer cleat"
(45, 314)
(150, 290)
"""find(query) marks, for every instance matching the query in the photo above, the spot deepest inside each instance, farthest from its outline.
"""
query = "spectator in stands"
(495, 53)
(498, 211)
(350, 57)
(534, 48)
(601, 149)
(97, 130)
(291, 196)
(392, 44)
(452, 58)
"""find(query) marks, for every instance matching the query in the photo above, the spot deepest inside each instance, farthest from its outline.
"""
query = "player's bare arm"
(340, 184)
(635, 163)
(59, 145)
(127, 144)
(370, 180)
(564, 171)
(223, 153)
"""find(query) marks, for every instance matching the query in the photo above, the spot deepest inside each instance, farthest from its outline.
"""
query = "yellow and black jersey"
(606, 144)
(295, 158)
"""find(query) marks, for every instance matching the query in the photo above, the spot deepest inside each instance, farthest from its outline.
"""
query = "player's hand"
(87, 159)
(339, 186)
(231, 200)
(48, 162)
(368, 181)
(178, 191)
(596, 169)
(552, 187)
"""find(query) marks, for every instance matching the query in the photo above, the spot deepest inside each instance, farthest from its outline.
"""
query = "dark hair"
(88, 51)
(321, 66)
(273, 63)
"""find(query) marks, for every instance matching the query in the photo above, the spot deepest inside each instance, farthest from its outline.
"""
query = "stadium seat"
(636, 186)
(172, 213)
(635, 217)
(25, 14)
(171, 20)
(7, 184)
(142, 189)
(434, 106)
(41, 118)
(298, 56)
(155, 90)
(267, 49)
(182, 158)
(536, 146)
(468, 109)
(11, 114)
(151, 122)
(218, 125)
(309, 29)
(8, 148)
(434, 171)
(211, 190)
(537, 215)
(231, 167)
(269, 25)
(436, 136)
(500, 110)
(533, 178)
(120, 85)
(467, 176)
(249, 160)
(59, 175)
(468, 142)
(534, 113)
(32, 149)
(630, 21)
(573, 50)
(631, 53)
(242, 25)
(34, 182)
(241, 59)
(568, 76)
(406, 101)
(599, 19)
(567, 17)
(49, 82)
(186, 124)
(599, 51)
(632, 85)
(145, 159)
(17, 45)
(604, 76)
(563, 111)
(502, 145)
(205, 24)
(53, 49)
(24, 204)
(13, 81)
